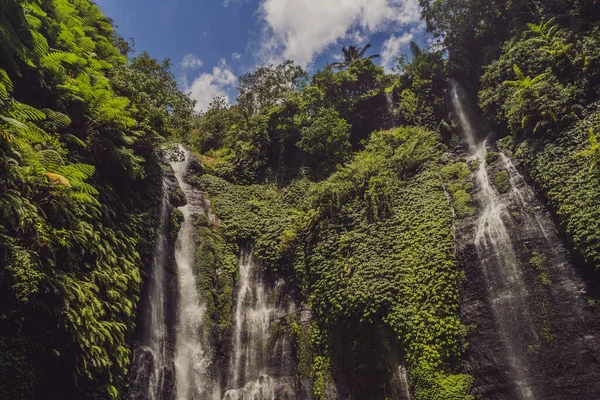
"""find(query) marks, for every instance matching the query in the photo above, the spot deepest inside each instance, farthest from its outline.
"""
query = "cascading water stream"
(150, 359)
(251, 334)
(506, 287)
(191, 360)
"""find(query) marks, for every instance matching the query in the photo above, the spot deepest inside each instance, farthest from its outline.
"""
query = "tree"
(327, 141)
(268, 86)
(353, 53)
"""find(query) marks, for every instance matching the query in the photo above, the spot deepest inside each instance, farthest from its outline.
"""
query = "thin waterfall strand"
(191, 362)
(150, 360)
(252, 322)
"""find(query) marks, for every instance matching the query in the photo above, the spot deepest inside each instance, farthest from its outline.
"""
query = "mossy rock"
(461, 203)
(491, 157)
(517, 216)
(202, 221)
(474, 165)
(196, 166)
(502, 181)
(177, 197)
(175, 223)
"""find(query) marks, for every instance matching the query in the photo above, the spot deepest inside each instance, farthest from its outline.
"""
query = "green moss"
(461, 204)
(502, 181)
(434, 385)
(517, 216)
(177, 197)
(532, 349)
(302, 346)
(216, 270)
(491, 157)
(175, 223)
(322, 375)
(547, 334)
(455, 176)
(538, 261)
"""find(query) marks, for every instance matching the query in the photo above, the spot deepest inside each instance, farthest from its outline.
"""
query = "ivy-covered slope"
(78, 195)
(371, 250)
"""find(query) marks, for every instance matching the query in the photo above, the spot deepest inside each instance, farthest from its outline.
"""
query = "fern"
(6, 85)
(54, 60)
(25, 112)
(40, 44)
(59, 119)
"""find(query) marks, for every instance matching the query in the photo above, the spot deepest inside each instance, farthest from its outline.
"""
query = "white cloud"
(392, 48)
(236, 56)
(302, 29)
(207, 86)
(190, 61)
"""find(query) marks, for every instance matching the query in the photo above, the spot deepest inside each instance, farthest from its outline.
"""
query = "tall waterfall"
(252, 328)
(505, 284)
(191, 359)
(541, 339)
(150, 360)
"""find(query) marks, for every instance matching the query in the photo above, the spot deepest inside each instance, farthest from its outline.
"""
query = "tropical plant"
(593, 152)
(353, 53)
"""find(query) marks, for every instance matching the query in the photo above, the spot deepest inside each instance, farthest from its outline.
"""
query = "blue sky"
(210, 43)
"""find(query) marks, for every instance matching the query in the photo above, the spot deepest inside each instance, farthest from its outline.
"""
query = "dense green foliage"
(360, 218)
(79, 126)
(355, 245)
(543, 90)
(346, 183)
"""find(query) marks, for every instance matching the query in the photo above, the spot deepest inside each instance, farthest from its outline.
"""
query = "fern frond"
(55, 59)
(78, 171)
(40, 44)
(518, 71)
(75, 139)
(86, 44)
(61, 120)
(51, 160)
(33, 21)
(6, 85)
(32, 7)
(13, 122)
(86, 188)
(35, 134)
(25, 112)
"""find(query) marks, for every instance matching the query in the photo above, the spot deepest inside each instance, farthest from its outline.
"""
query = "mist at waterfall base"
(534, 335)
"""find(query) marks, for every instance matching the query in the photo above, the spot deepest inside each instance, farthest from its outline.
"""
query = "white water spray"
(252, 323)
(505, 281)
(191, 362)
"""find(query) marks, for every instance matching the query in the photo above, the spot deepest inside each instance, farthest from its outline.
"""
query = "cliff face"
(551, 348)
(152, 371)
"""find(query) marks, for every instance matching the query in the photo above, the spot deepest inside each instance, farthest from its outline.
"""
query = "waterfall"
(150, 358)
(251, 335)
(506, 287)
(191, 360)
(537, 336)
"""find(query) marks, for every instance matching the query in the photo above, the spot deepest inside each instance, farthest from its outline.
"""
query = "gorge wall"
(533, 333)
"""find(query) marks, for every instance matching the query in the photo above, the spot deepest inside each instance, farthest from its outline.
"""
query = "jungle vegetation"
(339, 179)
